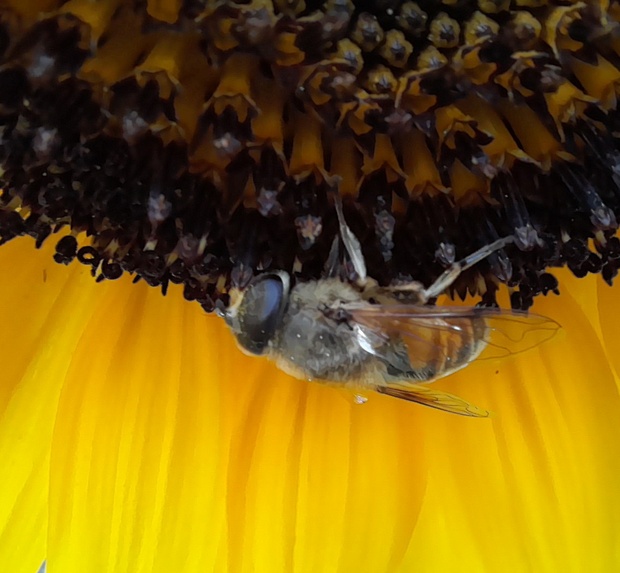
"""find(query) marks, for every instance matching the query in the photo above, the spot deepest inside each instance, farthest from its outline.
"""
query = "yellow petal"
(38, 329)
(171, 451)
(608, 316)
(538, 489)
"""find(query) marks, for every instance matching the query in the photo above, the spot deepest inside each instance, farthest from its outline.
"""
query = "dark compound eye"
(260, 312)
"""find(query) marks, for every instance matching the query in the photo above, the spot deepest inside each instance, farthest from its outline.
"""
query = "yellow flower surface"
(135, 437)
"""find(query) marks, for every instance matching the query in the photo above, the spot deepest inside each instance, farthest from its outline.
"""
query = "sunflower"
(188, 146)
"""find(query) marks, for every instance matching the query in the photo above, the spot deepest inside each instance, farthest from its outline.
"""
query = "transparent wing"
(437, 341)
(435, 399)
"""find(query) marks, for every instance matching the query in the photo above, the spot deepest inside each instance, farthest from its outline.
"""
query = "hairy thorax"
(315, 343)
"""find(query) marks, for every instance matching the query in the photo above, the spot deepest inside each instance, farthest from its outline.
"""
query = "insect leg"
(351, 244)
(454, 270)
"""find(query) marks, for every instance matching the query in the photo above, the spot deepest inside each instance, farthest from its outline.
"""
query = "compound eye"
(260, 312)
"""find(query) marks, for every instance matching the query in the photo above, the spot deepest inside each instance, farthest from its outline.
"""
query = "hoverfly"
(363, 336)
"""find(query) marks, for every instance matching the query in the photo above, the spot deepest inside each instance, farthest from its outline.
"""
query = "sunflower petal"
(172, 451)
(608, 314)
(536, 489)
(35, 304)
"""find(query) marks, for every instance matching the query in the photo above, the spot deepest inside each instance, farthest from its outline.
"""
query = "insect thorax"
(313, 343)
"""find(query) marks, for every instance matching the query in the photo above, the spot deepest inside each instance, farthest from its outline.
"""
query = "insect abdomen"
(455, 349)
(437, 348)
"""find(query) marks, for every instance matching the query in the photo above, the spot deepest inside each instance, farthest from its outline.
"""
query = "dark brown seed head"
(201, 143)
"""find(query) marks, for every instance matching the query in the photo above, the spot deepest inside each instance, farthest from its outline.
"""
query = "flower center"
(202, 145)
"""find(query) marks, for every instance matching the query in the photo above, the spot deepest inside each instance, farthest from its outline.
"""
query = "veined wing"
(426, 396)
(438, 340)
